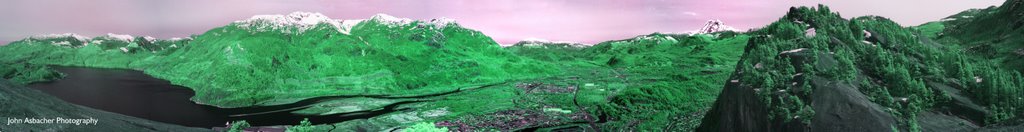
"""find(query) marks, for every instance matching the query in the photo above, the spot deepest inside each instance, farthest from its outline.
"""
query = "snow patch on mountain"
(792, 51)
(63, 35)
(655, 38)
(62, 43)
(120, 37)
(82, 41)
(396, 21)
(392, 20)
(538, 42)
(298, 22)
(346, 25)
(441, 22)
(811, 32)
(149, 39)
(179, 39)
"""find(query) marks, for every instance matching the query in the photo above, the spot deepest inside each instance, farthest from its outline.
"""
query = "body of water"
(136, 94)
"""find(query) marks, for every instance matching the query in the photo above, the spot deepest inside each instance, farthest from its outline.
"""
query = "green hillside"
(992, 34)
(245, 65)
(658, 81)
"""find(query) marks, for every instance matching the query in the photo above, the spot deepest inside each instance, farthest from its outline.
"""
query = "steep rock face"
(840, 107)
(938, 122)
(737, 109)
(23, 102)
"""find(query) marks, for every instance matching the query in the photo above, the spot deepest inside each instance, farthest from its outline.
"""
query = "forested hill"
(813, 70)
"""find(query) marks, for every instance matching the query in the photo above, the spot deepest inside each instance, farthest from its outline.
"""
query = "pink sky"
(507, 21)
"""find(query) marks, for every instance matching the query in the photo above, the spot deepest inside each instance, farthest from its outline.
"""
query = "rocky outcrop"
(737, 109)
(840, 107)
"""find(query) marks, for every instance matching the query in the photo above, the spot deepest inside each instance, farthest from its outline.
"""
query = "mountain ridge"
(380, 49)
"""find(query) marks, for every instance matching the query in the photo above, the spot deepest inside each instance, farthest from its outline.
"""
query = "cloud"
(690, 13)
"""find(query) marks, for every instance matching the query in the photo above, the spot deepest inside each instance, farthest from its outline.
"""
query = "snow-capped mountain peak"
(713, 26)
(396, 21)
(301, 20)
(295, 18)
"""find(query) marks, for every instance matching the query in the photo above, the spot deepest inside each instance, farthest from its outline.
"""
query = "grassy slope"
(657, 81)
(994, 39)
(991, 34)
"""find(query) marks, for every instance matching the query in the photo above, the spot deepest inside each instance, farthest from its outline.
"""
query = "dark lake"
(131, 93)
(136, 94)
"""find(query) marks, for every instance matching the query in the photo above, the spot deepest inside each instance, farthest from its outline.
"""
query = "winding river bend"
(136, 94)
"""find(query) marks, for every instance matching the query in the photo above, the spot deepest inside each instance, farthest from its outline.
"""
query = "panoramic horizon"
(649, 65)
(505, 20)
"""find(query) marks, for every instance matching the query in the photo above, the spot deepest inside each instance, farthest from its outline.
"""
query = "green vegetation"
(674, 76)
(991, 34)
(304, 126)
(238, 126)
(424, 127)
(994, 57)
